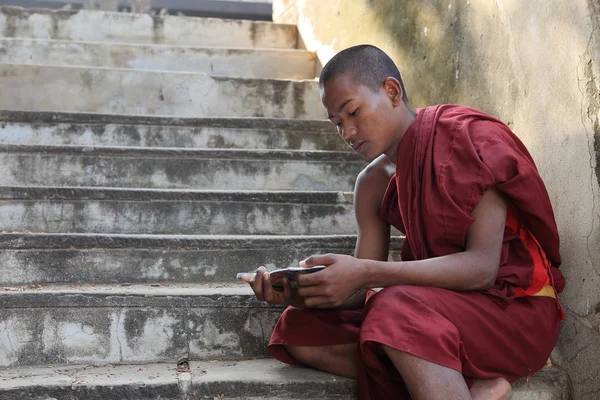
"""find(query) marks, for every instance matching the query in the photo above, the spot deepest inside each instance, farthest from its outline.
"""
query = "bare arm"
(373, 239)
(473, 269)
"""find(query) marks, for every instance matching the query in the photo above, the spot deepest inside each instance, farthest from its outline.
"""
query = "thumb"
(313, 261)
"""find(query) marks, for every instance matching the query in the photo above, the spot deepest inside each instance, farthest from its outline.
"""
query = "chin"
(367, 157)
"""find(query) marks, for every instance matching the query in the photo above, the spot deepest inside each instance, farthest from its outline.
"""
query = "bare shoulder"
(376, 176)
(371, 184)
(373, 232)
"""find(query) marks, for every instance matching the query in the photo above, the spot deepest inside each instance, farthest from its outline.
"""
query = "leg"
(488, 389)
(427, 380)
(488, 341)
(323, 339)
(337, 359)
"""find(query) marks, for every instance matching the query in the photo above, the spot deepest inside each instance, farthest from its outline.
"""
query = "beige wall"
(534, 64)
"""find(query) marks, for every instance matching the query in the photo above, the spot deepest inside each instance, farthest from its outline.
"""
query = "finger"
(249, 278)
(311, 291)
(316, 302)
(259, 280)
(267, 287)
(313, 261)
(316, 278)
(287, 290)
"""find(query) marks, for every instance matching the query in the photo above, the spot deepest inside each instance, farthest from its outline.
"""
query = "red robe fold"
(447, 159)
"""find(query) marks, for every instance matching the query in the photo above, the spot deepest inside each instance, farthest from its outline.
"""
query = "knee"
(307, 354)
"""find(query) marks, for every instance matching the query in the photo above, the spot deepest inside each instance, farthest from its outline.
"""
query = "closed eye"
(353, 112)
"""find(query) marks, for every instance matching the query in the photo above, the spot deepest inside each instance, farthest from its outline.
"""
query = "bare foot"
(491, 389)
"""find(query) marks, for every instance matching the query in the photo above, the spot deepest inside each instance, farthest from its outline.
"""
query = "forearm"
(464, 271)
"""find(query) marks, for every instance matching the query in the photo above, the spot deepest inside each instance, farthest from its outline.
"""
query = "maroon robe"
(447, 159)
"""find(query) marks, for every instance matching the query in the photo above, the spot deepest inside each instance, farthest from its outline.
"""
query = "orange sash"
(542, 283)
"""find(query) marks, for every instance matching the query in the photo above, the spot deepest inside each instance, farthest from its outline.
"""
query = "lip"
(356, 146)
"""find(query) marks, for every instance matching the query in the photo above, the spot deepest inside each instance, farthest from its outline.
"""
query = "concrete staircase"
(146, 160)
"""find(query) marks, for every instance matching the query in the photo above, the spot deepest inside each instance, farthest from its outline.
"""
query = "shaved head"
(367, 66)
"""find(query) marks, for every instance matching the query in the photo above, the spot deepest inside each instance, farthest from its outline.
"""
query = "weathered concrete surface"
(534, 65)
(264, 379)
(33, 128)
(239, 63)
(178, 168)
(114, 324)
(177, 212)
(179, 94)
(256, 10)
(97, 26)
(88, 258)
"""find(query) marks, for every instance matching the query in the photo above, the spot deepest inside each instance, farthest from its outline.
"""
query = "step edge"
(49, 11)
(74, 193)
(540, 381)
(162, 45)
(98, 241)
(60, 117)
(321, 156)
(309, 81)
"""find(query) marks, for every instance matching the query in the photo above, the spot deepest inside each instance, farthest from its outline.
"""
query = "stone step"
(109, 258)
(236, 380)
(256, 10)
(110, 324)
(233, 62)
(241, 380)
(178, 168)
(113, 324)
(104, 210)
(48, 128)
(99, 26)
(176, 94)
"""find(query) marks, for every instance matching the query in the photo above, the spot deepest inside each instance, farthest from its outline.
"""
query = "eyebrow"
(342, 106)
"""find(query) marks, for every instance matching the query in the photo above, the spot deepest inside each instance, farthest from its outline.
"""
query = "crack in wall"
(574, 357)
(592, 114)
(10, 342)
(521, 77)
(589, 109)
(594, 8)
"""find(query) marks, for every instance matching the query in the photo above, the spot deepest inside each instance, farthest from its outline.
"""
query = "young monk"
(473, 304)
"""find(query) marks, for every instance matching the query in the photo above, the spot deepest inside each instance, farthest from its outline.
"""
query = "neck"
(406, 118)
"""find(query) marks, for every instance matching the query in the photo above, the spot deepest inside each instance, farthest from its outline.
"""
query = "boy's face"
(365, 119)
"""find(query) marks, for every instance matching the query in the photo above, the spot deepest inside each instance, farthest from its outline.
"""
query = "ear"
(393, 91)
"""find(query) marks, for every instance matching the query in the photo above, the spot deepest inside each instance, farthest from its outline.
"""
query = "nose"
(347, 132)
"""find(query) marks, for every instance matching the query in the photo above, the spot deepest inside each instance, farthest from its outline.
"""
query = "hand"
(343, 277)
(261, 285)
